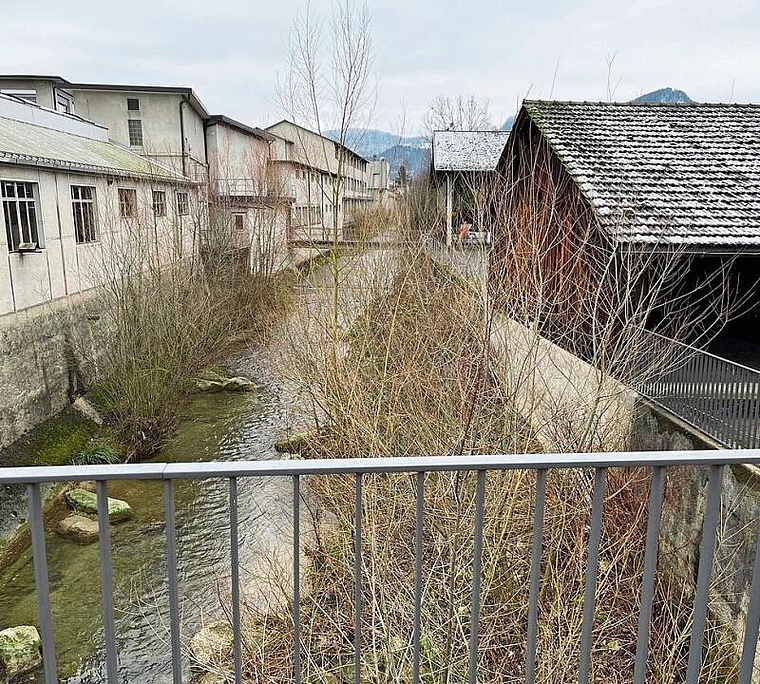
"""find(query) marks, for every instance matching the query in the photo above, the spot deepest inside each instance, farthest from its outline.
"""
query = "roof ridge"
(622, 103)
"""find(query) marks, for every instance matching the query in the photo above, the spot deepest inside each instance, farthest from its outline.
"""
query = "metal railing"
(719, 397)
(32, 477)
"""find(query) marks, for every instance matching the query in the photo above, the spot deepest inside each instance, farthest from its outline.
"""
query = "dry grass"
(416, 376)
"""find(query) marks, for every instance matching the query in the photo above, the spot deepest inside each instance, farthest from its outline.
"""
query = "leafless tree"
(328, 87)
(460, 113)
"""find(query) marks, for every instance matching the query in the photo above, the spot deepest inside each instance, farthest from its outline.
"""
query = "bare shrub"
(170, 310)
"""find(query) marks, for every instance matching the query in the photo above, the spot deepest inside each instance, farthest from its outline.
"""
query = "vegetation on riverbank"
(416, 376)
(165, 325)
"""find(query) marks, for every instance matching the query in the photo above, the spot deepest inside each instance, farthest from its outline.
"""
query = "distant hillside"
(413, 152)
(415, 159)
(663, 96)
(369, 142)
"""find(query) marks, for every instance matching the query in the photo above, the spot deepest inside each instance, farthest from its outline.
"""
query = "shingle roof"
(674, 173)
(25, 143)
(468, 150)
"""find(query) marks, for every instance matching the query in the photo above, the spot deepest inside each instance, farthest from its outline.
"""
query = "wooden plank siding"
(547, 245)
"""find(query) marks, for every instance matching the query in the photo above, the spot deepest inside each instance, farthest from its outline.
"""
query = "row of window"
(307, 215)
(22, 225)
(350, 160)
(355, 186)
(350, 184)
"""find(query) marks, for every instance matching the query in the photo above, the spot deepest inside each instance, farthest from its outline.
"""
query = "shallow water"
(216, 427)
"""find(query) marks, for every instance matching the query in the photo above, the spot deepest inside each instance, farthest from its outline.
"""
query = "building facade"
(330, 182)
(74, 206)
(249, 199)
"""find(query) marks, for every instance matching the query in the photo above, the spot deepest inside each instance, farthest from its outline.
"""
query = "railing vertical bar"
(106, 581)
(749, 647)
(733, 399)
(41, 582)
(237, 649)
(358, 580)
(682, 385)
(592, 567)
(171, 568)
(702, 391)
(706, 552)
(713, 387)
(685, 396)
(535, 575)
(723, 399)
(477, 565)
(297, 579)
(746, 410)
(650, 566)
(418, 578)
(755, 414)
(750, 417)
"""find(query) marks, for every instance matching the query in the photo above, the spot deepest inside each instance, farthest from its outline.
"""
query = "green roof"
(27, 143)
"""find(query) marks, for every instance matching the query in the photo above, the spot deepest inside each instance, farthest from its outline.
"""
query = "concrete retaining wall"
(571, 406)
(44, 362)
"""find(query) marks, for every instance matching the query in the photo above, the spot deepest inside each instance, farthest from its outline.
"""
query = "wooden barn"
(597, 192)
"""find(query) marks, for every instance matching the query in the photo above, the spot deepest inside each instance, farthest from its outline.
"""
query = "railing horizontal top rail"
(702, 352)
(405, 464)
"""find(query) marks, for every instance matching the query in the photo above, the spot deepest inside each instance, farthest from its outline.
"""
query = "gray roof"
(685, 174)
(24, 143)
(468, 150)
(245, 128)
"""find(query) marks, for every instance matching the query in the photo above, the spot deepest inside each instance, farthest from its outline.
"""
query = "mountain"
(369, 142)
(507, 125)
(415, 159)
(413, 152)
(664, 96)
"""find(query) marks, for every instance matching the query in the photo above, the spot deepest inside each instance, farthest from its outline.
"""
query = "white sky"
(231, 52)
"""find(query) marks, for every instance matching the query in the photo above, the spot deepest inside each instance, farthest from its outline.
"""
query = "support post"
(449, 209)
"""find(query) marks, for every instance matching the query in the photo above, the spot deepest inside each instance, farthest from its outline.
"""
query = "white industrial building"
(68, 194)
(313, 162)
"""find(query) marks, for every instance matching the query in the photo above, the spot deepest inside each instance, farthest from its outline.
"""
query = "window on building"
(28, 95)
(20, 213)
(135, 132)
(183, 204)
(127, 202)
(239, 223)
(159, 203)
(133, 104)
(64, 104)
(83, 208)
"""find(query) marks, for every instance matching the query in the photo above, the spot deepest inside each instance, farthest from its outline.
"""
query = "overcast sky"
(231, 52)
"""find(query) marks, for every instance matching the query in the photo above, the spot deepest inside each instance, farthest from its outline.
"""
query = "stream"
(227, 427)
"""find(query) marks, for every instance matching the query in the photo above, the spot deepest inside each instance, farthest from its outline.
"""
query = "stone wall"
(46, 359)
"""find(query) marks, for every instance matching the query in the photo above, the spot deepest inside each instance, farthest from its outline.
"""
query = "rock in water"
(20, 650)
(86, 503)
(210, 381)
(212, 646)
(79, 528)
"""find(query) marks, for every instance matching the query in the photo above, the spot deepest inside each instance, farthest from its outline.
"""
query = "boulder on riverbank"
(211, 381)
(86, 503)
(297, 442)
(212, 647)
(79, 528)
(20, 650)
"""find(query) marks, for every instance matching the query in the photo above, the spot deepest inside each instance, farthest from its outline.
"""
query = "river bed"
(216, 427)
(227, 427)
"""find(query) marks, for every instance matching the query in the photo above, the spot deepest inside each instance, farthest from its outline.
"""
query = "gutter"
(182, 102)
